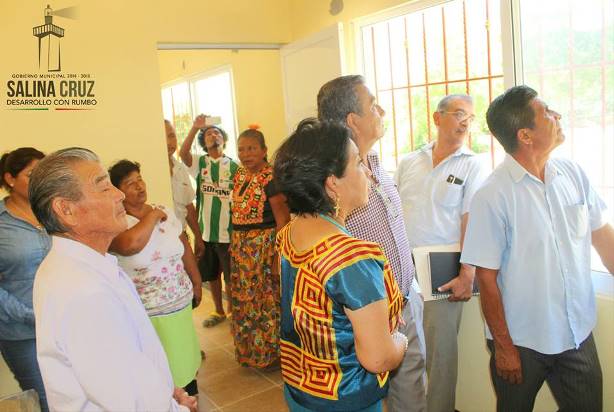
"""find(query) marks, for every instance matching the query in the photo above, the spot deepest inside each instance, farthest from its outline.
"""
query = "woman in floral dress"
(258, 211)
(155, 253)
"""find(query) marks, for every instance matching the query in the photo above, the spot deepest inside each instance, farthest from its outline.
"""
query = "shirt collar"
(106, 265)
(3, 206)
(373, 160)
(463, 150)
(517, 172)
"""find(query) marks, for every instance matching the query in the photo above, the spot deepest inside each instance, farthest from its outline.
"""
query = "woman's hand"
(159, 214)
(197, 297)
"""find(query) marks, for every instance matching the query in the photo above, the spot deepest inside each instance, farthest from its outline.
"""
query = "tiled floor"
(225, 386)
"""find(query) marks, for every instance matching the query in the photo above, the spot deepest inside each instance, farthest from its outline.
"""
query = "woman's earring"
(336, 207)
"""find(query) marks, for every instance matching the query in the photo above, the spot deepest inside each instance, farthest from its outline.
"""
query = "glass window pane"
(567, 52)
(420, 117)
(477, 48)
(416, 48)
(213, 96)
(403, 125)
(367, 56)
(182, 110)
(382, 56)
(398, 55)
(388, 155)
(455, 41)
(414, 43)
(434, 44)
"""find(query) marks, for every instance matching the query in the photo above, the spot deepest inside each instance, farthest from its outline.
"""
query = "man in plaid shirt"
(348, 100)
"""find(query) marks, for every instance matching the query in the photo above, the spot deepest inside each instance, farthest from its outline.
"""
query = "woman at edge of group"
(156, 254)
(258, 212)
(340, 303)
(24, 243)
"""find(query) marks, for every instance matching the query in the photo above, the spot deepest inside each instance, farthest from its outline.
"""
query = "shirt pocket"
(448, 194)
(577, 220)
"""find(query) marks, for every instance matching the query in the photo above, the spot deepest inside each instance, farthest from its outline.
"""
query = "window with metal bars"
(562, 48)
(568, 57)
(210, 93)
(413, 60)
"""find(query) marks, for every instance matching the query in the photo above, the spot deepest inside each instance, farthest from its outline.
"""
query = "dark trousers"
(574, 377)
(20, 356)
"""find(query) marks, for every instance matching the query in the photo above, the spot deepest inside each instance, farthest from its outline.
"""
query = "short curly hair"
(201, 136)
(315, 151)
(121, 169)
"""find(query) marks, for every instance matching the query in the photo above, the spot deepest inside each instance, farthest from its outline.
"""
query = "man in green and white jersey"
(214, 173)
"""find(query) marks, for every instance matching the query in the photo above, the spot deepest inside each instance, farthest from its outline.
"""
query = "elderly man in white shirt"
(96, 347)
(436, 184)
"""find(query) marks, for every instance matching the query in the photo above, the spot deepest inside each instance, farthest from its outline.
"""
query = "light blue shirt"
(22, 248)
(538, 235)
(434, 199)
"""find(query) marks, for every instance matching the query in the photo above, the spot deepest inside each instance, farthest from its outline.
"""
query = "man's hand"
(199, 122)
(507, 363)
(182, 398)
(199, 247)
(461, 286)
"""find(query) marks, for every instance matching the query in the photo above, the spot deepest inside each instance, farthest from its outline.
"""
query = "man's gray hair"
(54, 176)
(338, 98)
(443, 103)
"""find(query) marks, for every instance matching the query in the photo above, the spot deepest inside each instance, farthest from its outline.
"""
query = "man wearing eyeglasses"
(436, 184)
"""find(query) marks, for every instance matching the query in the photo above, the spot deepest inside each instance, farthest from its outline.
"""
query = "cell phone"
(213, 120)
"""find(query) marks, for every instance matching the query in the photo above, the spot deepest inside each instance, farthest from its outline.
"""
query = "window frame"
(512, 61)
(191, 80)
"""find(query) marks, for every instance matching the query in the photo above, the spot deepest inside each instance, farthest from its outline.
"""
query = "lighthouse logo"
(50, 37)
(51, 87)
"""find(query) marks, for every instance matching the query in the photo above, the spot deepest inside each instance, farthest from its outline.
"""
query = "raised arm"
(185, 152)
(133, 240)
(376, 349)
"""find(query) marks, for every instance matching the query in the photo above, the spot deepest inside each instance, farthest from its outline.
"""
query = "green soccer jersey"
(214, 182)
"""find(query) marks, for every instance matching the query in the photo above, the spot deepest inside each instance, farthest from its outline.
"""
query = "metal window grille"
(412, 61)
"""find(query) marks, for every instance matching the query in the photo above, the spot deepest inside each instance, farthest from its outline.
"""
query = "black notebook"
(444, 266)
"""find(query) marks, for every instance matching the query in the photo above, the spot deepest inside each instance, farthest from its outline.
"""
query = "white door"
(307, 64)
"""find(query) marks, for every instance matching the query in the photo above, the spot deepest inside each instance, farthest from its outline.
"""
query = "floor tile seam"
(248, 396)
(215, 405)
(266, 377)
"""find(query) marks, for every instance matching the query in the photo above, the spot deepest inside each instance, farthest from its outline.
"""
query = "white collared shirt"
(183, 192)
(434, 199)
(538, 236)
(97, 349)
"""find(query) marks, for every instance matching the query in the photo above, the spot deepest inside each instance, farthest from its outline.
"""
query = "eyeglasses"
(461, 116)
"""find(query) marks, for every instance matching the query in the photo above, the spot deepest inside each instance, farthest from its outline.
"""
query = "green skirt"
(178, 338)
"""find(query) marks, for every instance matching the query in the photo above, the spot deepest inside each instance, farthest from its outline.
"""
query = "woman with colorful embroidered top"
(258, 211)
(155, 253)
(23, 245)
(340, 304)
